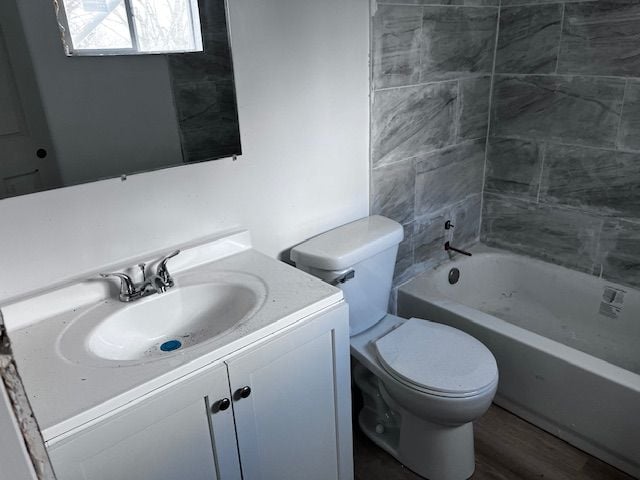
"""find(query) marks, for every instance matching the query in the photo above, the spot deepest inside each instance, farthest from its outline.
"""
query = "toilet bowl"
(422, 383)
(427, 429)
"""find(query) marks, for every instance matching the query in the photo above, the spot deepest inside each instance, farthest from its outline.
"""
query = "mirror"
(70, 120)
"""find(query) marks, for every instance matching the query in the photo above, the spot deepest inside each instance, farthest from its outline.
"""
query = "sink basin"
(161, 325)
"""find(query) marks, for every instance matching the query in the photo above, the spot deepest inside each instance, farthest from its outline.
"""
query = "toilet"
(423, 383)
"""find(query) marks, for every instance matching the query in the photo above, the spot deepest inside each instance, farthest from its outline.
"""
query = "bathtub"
(567, 344)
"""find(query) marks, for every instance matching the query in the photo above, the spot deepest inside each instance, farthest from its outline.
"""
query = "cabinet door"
(296, 422)
(171, 434)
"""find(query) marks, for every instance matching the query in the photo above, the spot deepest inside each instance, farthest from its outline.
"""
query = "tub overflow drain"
(170, 345)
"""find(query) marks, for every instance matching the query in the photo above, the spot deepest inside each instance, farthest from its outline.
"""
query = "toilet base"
(436, 452)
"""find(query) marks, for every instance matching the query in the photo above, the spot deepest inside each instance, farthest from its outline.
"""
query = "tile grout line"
(412, 244)
(564, 7)
(439, 5)
(429, 152)
(542, 162)
(507, 74)
(618, 143)
(486, 143)
(458, 113)
(424, 84)
(570, 75)
(372, 9)
(592, 212)
(612, 149)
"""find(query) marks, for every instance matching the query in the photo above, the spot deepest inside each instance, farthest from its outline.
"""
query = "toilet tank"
(358, 258)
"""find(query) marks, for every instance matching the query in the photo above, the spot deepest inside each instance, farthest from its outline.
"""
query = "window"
(125, 27)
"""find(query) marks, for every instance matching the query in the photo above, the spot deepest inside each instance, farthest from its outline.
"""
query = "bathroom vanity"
(265, 394)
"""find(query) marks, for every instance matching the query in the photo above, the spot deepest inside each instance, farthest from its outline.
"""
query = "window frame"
(71, 51)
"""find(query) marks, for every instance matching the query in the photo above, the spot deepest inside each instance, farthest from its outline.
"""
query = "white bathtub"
(567, 344)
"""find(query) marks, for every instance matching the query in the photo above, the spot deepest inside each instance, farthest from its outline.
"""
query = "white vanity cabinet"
(289, 417)
(170, 435)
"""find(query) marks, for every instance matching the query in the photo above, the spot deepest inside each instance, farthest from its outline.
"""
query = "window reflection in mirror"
(126, 27)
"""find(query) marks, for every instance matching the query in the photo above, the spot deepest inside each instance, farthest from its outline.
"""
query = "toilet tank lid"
(349, 244)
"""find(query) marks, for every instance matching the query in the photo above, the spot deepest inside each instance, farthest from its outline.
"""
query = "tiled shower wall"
(562, 174)
(563, 158)
(432, 66)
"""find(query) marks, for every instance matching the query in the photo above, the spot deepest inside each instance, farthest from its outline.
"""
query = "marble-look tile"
(601, 38)
(578, 110)
(404, 261)
(412, 120)
(621, 252)
(396, 45)
(529, 39)
(630, 124)
(509, 3)
(465, 217)
(430, 235)
(478, 3)
(448, 176)
(429, 238)
(513, 167)
(474, 107)
(560, 236)
(457, 41)
(208, 120)
(393, 191)
(604, 180)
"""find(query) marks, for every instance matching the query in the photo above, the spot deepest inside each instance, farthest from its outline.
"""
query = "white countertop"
(66, 394)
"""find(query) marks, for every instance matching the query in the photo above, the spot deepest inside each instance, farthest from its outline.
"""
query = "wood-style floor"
(507, 448)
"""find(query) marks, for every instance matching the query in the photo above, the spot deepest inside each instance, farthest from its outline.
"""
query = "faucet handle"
(163, 272)
(127, 287)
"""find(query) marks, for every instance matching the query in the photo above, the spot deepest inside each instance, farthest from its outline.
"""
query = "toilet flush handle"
(345, 277)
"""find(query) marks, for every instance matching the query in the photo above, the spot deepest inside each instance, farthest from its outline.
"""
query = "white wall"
(302, 84)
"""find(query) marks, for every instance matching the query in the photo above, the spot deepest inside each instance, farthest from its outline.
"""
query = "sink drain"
(170, 345)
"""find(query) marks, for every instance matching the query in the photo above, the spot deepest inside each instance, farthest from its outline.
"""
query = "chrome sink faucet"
(158, 283)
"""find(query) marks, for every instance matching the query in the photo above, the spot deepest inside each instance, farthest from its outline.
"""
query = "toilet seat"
(437, 359)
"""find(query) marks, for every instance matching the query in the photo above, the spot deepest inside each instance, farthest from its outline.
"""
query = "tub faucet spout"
(448, 247)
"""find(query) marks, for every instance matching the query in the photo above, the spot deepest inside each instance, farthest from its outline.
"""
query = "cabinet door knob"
(221, 405)
(244, 392)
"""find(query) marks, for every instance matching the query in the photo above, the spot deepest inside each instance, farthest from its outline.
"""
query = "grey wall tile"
(429, 238)
(396, 45)
(621, 252)
(457, 41)
(474, 107)
(494, 3)
(405, 258)
(529, 39)
(513, 167)
(630, 124)
(563, 109)
(448, 176)
(601, 38)
(564, 237)
(393, 191)
(412, 120)
(509, 3)
(587, 178)
(465, 217)
(430, 234)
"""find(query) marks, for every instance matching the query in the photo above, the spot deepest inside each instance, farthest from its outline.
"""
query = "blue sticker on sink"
(170, 345)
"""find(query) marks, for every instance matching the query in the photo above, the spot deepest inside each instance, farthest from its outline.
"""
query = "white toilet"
(423, 383)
